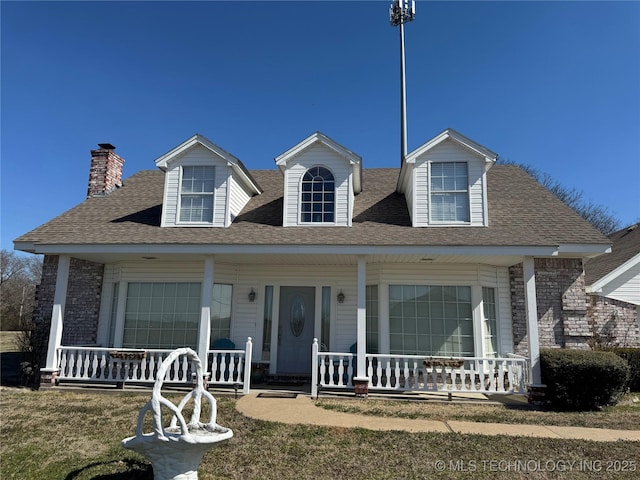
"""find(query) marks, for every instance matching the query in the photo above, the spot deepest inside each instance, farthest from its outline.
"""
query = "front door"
(295, 329)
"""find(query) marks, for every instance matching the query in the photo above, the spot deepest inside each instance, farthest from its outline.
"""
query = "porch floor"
(298, 388)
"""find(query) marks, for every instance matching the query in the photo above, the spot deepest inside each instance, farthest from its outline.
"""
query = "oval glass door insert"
(296, 319)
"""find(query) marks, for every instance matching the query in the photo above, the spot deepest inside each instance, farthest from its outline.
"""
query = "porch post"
(532, 319)
(314, 368)
(362, 319)
(204, 335)
(50, 371)
(121, 309)
(246, 379)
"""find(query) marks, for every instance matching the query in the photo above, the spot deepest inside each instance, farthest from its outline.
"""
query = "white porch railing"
(423, 374)
(120, 365)
(98, 364)
(231, 367)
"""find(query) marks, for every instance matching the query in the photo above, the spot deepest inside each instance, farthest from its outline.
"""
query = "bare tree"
(19, 276)
(597, 215)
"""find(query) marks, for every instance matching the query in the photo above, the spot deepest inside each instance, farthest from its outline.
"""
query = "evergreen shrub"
(632, 356)
(582, 379)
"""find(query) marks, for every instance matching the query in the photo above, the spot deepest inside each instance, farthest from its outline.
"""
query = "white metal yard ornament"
(176, 451)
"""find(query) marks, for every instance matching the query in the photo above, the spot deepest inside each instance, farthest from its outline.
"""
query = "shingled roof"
(626, 245)
(521, 213)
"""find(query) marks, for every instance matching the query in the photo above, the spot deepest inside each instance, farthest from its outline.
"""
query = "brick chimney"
(105, 174)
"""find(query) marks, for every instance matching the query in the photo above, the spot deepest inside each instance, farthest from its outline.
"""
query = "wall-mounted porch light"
(252, 295)
(341, 297)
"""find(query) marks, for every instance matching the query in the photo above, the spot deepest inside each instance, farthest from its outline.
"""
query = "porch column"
(204, 335)
(121, 309)
(362, 320)
(532, 319)
(57, 314)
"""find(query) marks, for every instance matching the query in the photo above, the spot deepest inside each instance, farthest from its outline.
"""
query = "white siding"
(318, 155)
(247, 317)
(448, 151)
(430, 274)
(245, 322)
(170, 200)
(625, 287)
(420, 194)
(238, 197)
(409, 194)
(476, 193)
(195, 156)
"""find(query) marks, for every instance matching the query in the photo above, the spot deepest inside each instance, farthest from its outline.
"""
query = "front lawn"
(624, 416)
(76, 435)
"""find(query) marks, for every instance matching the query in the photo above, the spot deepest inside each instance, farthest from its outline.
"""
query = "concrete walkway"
(301, 409)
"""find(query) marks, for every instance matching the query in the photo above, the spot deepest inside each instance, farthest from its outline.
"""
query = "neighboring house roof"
(625, 254)
(521, 213)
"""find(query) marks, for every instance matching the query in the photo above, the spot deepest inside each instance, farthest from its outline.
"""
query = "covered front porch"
(345, 324)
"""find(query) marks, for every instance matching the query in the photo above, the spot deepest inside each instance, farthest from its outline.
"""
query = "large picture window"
(430, 320)
(449, 192)
(196, 194)
(317, 203)
(162, 315)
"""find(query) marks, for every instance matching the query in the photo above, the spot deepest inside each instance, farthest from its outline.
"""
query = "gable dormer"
(444, 182)
(204, 186)
(321, 179)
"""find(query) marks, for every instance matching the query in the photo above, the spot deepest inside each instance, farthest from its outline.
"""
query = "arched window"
(318, 196)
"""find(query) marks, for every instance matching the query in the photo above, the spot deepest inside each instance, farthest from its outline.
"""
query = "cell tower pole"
(400, 12)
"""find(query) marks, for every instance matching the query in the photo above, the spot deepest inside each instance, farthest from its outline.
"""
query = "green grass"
(624, 416)
(76, 435)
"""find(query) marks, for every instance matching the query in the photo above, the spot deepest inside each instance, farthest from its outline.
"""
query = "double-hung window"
(196, 194)
(318, 196)
(449, 192)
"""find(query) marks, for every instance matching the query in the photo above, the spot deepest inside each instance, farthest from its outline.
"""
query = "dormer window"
(318, 196)
(449, 192)
(321, 180)
(197, 188)
(204, 185)
(444, 182)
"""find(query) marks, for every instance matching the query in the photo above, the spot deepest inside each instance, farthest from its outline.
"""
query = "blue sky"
(552, 84)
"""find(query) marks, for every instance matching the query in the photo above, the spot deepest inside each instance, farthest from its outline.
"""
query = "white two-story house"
(333, 271)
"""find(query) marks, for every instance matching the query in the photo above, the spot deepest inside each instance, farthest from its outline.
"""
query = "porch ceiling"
(303, 259)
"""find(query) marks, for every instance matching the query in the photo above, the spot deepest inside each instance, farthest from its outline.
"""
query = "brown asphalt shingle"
(521, 213)
(626, 245)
